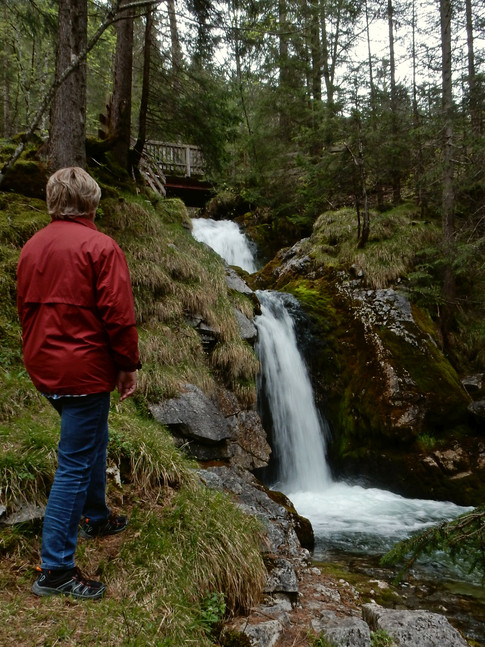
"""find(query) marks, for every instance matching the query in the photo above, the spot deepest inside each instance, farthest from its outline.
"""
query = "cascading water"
(344, 517)
(299, 444)
(225, 238)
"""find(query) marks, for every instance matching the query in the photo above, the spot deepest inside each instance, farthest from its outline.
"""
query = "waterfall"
(344, 517)
(225, 238)
(299, 444)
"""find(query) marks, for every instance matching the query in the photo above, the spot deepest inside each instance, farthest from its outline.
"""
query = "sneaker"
(110, 526)
(67, 582)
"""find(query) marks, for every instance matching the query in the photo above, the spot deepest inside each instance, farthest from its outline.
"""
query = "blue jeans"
(79, 487)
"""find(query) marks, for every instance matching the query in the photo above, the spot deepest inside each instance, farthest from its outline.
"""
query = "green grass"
(184, 544)
(395, 238)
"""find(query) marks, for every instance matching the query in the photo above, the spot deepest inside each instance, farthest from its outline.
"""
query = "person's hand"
(126, 384)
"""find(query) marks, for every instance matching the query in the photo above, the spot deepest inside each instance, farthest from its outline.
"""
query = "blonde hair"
(71, 192)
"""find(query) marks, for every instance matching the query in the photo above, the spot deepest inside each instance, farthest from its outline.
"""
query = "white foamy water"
(225, 238)
(369, 521)
(298, 439)
(344, 517)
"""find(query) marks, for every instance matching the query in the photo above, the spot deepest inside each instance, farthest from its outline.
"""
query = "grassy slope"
(184, 543)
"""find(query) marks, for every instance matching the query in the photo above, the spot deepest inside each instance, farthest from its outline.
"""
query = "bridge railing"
(179, 159)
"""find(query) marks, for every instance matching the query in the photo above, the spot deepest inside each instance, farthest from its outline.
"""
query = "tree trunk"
(328, 59)
(5, 129)
(396, 175)
(284, 71)
(474, 104)
(418, 166)
(448, 198)
(175, 41)
(315, 50)
(142, 121)
(373, 116)
(67, 146)
(123, 74)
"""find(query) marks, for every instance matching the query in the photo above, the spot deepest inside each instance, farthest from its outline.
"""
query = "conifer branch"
(463, 538)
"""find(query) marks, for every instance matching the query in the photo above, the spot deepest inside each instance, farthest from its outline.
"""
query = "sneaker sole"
(44, 591)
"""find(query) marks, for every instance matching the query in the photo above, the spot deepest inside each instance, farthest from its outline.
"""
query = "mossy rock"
(27, 177)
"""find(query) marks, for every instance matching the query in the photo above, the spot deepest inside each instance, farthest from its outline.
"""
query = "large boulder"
(216, 429)
(412, 628)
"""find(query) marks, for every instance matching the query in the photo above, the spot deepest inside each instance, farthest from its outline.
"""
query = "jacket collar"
(81, 220)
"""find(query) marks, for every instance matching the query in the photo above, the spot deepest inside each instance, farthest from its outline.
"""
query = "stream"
(353, 525)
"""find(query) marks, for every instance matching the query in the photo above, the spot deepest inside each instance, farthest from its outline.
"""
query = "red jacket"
(75, 305)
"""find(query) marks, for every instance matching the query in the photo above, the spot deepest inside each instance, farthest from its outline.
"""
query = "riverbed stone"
(412, 628)
(348, 631)
(282, 578)
(264, 634)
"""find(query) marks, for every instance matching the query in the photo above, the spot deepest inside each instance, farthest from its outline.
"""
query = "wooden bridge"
(174, 169)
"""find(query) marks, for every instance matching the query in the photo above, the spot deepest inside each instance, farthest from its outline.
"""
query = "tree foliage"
(463, 539)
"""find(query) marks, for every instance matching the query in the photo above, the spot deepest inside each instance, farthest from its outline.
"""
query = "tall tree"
(396, 174)
(120, 126)
(142, 120)
(448, 198)
(174, 38)
(473, 89)
(68, 112)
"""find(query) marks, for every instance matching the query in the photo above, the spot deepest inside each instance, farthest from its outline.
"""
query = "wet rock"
(453, 460)
(474, 384)
(411, 628)
(477, 409)
(246, 327)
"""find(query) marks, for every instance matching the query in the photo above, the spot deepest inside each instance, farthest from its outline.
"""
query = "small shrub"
(380, 638)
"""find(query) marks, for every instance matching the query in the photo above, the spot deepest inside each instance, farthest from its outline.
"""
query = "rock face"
(298, 597)
(394, 403)
(208, 432)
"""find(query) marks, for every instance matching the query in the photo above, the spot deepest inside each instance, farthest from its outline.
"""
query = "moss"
(435, 379)
(27, 177)
(20, 218)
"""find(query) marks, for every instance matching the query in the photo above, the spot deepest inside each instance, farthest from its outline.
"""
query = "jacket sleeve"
(114, 300)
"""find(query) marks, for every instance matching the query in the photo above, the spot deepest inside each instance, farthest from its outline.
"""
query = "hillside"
(189, 555)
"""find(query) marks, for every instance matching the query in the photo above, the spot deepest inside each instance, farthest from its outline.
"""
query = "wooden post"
(187, 159)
